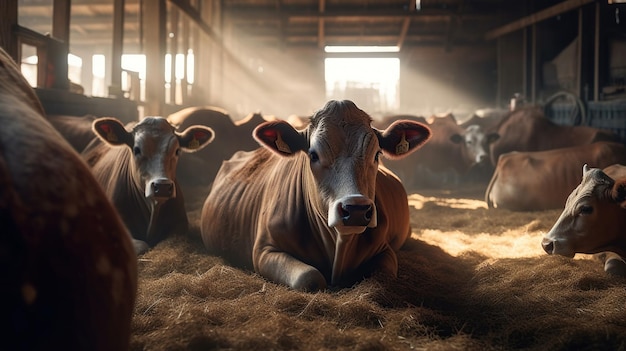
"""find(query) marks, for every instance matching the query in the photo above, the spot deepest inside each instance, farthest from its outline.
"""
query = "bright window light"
(339, 49)
(369, 81)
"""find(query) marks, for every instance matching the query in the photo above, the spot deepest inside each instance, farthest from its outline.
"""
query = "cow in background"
(136, 166)
(593, 221)
(69, 273)
(447, 157)
(313, 208)
(201, 167)
(534, 181)
(527, 129)
(75, 129)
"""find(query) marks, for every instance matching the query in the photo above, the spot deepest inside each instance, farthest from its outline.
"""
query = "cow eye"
(314, 156)
(586, 210)
(136, 151)
(178, 152)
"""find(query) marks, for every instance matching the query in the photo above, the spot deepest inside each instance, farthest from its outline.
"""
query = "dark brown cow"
(201, 167)
(593, 221)
(69, 273)
(75, 129)
(527, 129)
(137, 169)
(533, 181)
(314, 208)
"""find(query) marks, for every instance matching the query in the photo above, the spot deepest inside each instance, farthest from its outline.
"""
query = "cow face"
(589, 222)
(477, 143)
(343, 152)
(155, 147)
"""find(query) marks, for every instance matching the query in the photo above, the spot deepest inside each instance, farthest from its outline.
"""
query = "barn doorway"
(371, 82)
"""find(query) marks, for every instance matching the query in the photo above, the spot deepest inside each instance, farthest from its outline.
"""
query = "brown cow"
(314, 207)
(201, 167)
(75, 129)
(593, 221)
(450, 153)
(527, 129)
(137, 169)
(69, 273)
(534, 181)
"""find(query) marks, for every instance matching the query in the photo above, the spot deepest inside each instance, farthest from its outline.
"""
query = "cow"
(75, 129)
(593, 221)
(136, 166)
(487, 118)
(200, 168)
(69, 273)
(615, 171)
(535, 181)
(314, 208)
(449, 154)
(527, 129)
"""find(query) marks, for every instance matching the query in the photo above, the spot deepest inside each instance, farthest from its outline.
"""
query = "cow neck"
(317, 211)
(337, 247)
(137, 191)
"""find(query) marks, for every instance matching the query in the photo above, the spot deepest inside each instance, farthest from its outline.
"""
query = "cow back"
(70, 273)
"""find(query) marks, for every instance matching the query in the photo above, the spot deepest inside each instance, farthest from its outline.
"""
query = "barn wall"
(433, 80)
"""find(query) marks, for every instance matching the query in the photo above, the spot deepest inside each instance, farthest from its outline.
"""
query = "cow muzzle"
(352, 214)
(160, 189)
(556, 247)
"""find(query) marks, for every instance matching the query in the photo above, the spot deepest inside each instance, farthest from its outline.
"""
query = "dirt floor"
(469, 279)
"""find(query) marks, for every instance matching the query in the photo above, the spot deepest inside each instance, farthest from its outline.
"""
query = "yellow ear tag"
(403, 145)
(281, 145)
(194, 143)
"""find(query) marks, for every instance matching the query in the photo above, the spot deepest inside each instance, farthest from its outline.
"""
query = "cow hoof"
(141, 247)
(616, 267)
(312, 280)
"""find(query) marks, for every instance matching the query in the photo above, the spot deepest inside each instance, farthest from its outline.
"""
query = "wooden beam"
(61, 20)
(405, 29)
(536, 17)
(321, 41)
(117, 48)
(8, 39)
(154, 46)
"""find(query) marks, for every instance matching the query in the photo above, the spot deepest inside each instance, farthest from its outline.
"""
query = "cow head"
(343, 151)
(589, 222)
(155, 147)
(477, 143)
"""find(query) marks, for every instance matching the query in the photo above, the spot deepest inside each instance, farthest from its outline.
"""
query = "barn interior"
(471, 277)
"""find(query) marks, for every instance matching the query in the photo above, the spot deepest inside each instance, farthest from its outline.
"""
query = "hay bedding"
(469, 279)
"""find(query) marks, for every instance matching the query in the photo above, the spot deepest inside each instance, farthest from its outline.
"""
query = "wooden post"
(154, 47)
(8, 40)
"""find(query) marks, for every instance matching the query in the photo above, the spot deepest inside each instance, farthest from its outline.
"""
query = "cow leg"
(386, 263)
(614, 264)
(283, 268)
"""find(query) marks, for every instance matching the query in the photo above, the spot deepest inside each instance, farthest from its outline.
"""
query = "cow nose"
(356, 215)
(548, 246)
(161, 189)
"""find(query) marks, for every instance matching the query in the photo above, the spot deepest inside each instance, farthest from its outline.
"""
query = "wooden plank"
(536, 17)
(8, 20)
(405, 29)
(117, 48)
(153, 28)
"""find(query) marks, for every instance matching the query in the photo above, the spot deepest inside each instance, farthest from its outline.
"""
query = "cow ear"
(280, 137)
(195, 138)
(619, 192)
(456, 138)
(403, 137)
(112, 131)
(492, 137)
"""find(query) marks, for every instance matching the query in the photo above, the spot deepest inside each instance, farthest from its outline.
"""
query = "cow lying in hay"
(69, 274)
(314, 208)
(137, 169)
(593, 221)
